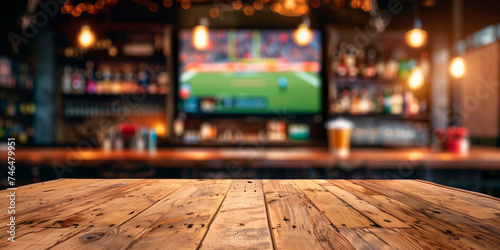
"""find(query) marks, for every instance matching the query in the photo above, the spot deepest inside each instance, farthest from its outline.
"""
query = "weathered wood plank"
(382, 238)
(381, 218)
(363, 240)
(61, 199)
(36, 188)
(49, 192)
(178, 221)
(437, 226)
(295, 222)
(441, 199)
(113, 212)
(50, 215)
(241, 221)
(225, 214)
(473, 197)
(337, 211)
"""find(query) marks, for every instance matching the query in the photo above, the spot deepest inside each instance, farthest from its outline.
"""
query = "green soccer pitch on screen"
(249, 72)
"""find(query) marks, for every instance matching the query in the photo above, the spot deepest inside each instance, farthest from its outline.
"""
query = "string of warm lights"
(283, 7)
(78, 9)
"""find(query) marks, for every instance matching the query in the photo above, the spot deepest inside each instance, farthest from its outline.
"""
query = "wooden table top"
(258, 157)
(251, 214)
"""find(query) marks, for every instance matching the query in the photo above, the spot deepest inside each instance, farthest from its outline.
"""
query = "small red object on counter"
(128, 130)
(457, 141)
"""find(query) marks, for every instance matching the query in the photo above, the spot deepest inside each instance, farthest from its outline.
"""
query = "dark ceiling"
(438, 18)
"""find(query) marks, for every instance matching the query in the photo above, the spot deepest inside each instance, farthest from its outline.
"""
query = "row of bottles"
(106, 81)
(91, 108)
(11, 105)
(130, 136)
(389, 133)
(353, 62)
(15, 74)
(12, 129)
(274, 131)
(393, 101)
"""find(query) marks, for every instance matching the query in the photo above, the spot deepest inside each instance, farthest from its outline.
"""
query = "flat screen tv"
(249, 72)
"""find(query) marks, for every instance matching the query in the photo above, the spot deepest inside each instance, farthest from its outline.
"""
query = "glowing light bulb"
(200, 35)
(416, 79)
(160, 130)
(302, 36)
(457, 67)
(416, 37)
(289, 4)
(86, 37)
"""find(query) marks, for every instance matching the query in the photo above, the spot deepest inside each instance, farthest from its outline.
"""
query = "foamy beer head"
(339, 136)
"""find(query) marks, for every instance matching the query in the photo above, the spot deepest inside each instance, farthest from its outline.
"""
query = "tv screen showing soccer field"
(249, 72)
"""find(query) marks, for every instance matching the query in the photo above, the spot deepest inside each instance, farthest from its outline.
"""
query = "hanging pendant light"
(86, 38)
(302, 36)
(457, 65)
(200, 35)
(291, 7)
(416, 37)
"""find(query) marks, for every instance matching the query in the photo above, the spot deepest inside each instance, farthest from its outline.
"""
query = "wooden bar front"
(251, 214)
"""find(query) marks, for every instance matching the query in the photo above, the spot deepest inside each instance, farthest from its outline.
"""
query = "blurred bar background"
(244, 89)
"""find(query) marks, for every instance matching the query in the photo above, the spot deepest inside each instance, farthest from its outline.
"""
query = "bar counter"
(251, 214)
(484, 158)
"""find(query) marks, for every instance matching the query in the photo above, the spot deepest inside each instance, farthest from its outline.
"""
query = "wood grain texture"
(436, 224)
(241, 220)
(295, 222)
(337, 211)
(178, 221)
(373, 213)
(417, 189)
(48, 208)
(113, 211)
(253, 214)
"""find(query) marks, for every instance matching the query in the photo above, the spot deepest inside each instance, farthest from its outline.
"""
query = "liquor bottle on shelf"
(408, 102)
(360, 61)
(342, 68)
(91, 78)
(397, 101)
(355, 102)
(143, 78)
(365, 103)
(387, 101)
(352, 70)
(66, 80)
(370, 70)
(152, 85)
(129, 83)
(380, 68)
(403, 69)
(345, 101)
(391, 69)
(116, 83)
(163, 81)
(76, 83)
(379, 103)
(106, 81)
